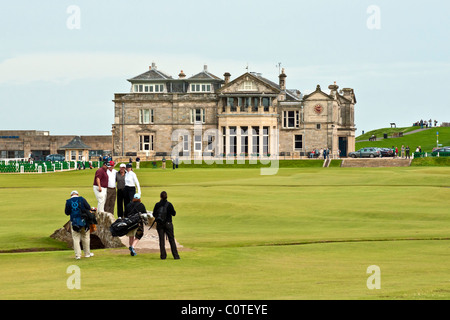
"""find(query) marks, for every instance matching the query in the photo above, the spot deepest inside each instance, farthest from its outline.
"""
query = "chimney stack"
(282, 77)
(227, 76)
(205, 68)
(182, 75)
(349, 94)
(153, 65)
(333, 89)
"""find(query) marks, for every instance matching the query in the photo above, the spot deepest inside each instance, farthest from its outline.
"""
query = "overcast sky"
(62, 61)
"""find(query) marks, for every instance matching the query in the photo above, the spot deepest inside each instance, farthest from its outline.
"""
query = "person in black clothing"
(407, 153)
(136, 234)
(166, 227)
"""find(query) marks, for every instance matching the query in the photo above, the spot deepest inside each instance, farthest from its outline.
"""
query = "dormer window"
(200, 87)
(148, 88)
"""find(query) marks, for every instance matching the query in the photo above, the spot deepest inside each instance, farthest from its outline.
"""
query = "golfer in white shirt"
(111, 191)
(131, 184)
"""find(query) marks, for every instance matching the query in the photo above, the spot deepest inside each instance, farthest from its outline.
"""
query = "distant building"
(39, 144)
(244, 116)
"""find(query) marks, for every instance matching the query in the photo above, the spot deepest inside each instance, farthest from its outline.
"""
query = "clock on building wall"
(318, 109)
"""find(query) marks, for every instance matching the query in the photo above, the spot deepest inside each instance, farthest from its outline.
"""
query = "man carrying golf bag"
(132, 224)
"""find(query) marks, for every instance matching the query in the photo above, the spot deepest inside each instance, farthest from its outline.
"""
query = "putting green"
(305, 233)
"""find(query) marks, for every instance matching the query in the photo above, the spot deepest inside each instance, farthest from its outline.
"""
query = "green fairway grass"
(304, 233)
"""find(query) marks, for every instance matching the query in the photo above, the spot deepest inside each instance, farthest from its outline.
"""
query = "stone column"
(238, 140)
(227, 140)
(261, 140)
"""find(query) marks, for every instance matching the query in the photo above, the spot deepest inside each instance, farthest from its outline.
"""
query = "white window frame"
(286, 118)
(244, 139)
(248, 85)
(186, 143)
(148, 88)
(200, 87)
(198, 143)
(211, 140)
(194, 115)
(143, 144)
(265, 140)
(142, 116)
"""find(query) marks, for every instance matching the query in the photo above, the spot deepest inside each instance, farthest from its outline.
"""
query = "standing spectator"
(138, 160)
(120, 178)
(396, 151)
(166, 226)
(164, 162)
(76, 207)
(407, 152)
(131, 182)
(100, 186)
(174, 163)
(403, 151)
(111, 190)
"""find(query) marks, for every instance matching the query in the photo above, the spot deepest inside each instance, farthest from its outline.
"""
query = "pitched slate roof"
(76, 144)
(205, 75)
(290, 95)
(318, 90)
(152, 74)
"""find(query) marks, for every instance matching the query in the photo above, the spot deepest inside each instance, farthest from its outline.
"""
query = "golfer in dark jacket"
(166, 227)
(136, 234)
(76, 206)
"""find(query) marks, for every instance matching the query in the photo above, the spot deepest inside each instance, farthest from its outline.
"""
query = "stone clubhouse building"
(250, 115)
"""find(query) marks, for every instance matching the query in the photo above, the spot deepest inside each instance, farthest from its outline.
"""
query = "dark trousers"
(120, 202)
(110, 200)
(167, 229)
(128, 195)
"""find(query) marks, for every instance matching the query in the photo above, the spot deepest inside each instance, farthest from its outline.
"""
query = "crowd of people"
(325, 153)
(405, 151)
(425, 123)
(121, 188)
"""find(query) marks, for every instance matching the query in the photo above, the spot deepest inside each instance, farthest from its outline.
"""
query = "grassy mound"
(426, 139)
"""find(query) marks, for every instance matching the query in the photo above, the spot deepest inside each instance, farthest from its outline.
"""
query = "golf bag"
(121, 227)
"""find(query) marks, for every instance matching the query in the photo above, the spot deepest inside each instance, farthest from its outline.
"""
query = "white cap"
(74, 192)
(122, 165)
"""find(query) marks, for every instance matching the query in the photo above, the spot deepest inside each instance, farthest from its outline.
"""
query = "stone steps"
(377, 162)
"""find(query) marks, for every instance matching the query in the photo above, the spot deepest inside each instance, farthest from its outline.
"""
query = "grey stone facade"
(245, 116)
